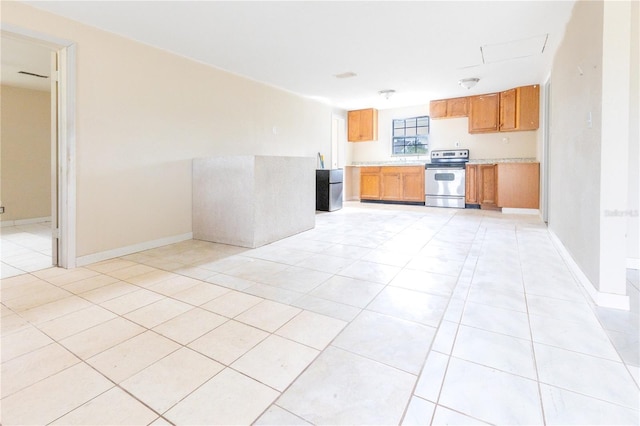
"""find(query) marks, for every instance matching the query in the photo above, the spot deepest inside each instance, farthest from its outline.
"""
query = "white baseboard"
(25, 221)
(123, 251)
(511, 210)
(633, 263)
(606, 300)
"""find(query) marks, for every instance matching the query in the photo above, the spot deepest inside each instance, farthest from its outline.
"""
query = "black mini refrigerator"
(329, 189)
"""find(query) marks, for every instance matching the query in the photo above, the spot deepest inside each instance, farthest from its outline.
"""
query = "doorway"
(38, 153)
(338, 142)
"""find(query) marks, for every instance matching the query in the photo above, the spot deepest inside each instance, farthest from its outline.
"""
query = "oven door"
(444, 182)
(444, 187)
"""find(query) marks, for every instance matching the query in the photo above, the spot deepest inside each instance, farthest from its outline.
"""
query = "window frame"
(413, 133)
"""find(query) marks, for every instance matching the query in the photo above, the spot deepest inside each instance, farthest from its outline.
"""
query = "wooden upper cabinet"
(483, 113)
(520, 108)
(438, 109)
(508, 100)
(508, 111)
(528, 107)
(362, 125)
(458, 107)
(449, 108)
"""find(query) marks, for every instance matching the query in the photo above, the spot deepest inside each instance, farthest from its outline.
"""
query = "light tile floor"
(24, 248)
(379, 315)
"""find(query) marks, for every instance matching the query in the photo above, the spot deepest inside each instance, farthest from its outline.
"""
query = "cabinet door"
(353, 124)
(471, 185)
(413, 184)
(369, 124)
(391, 184)
(518, 185)
(487, 188)
(438, 109)
(457, 107)
(370, 183)
(529, 107)
(508, 110)
(362, 125)
(483, 113)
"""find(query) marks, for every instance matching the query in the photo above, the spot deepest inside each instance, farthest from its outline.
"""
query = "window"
(410, 136)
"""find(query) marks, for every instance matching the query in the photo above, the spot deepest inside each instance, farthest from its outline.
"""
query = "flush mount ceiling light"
(386, 93)
(468, 83)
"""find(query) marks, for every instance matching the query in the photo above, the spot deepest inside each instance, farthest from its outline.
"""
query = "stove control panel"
(450, 155)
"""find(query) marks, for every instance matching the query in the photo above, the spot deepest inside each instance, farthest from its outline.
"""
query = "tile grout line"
(430, 350)
(533, 351)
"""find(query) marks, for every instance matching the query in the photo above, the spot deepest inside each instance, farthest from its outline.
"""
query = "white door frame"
(66, 143)
(546, 116)
(338, 142)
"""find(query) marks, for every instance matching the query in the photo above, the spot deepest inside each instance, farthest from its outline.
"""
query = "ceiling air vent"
(347, 74)
(33, 74)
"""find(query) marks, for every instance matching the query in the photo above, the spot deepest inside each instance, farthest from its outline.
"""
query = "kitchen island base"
(250, 201)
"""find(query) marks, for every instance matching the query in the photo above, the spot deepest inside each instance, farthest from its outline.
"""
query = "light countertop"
(423, 162)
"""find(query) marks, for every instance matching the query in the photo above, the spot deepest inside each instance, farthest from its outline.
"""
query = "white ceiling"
(418, 48)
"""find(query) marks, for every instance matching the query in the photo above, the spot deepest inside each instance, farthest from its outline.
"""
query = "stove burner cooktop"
(448, 158)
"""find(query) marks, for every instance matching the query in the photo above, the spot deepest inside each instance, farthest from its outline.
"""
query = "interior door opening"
(41, 236)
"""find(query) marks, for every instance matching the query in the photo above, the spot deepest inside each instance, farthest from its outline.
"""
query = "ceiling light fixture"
(386, 93)
(468, 83)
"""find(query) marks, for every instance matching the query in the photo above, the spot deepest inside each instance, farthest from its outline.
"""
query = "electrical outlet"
(1, 209)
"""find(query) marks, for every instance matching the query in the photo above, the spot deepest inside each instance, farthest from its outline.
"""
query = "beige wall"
(593, 76)
(143, 114)
(25, 142)
(444, 133)
(574, 148)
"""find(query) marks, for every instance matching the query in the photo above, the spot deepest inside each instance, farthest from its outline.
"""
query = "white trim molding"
(633, 263)
(511, 210)
(605, 300)
(123, 251)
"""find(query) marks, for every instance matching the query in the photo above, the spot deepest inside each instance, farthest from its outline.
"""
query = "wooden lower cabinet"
(518, 185)
(370, 183)
(512, 185)
(413, 184)
(488, 190)
(392, 183)
(480, 185)
(471, 184)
